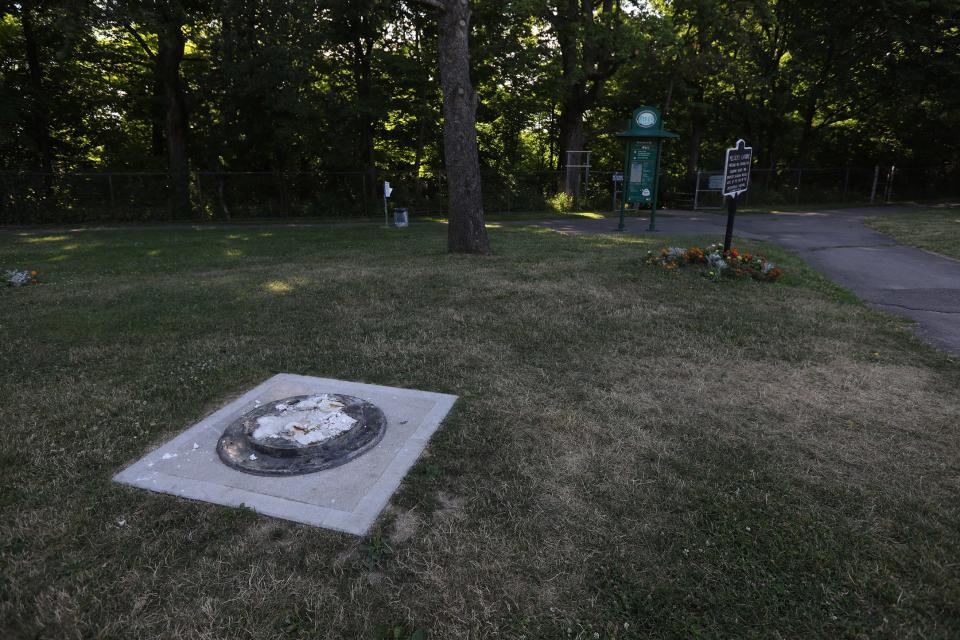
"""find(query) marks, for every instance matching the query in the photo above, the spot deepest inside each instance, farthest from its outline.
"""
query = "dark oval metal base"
(280, 457)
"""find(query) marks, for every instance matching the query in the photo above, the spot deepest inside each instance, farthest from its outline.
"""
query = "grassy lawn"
(636, 453)
(936, 230)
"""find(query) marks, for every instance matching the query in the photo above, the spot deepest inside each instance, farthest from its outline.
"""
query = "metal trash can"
(400, 217)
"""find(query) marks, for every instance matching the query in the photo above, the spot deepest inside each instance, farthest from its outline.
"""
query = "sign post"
(641, 161)
(736, 179)
(617, 189)
(387, 190)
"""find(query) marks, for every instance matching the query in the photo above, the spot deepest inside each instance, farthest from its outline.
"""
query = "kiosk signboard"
(643, 170)
(643, 141)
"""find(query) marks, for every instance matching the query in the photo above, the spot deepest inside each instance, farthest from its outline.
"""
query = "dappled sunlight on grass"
(589, 214)
(153, 253)
(278, 286)
(620, 239)
(45, 239)
(233, 253)
(613, 238)
(286, 286)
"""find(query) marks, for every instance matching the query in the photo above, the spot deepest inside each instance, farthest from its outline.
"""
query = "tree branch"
(436, 4)
(139, 39)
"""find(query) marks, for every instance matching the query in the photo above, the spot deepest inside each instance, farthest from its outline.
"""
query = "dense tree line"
(355, 85)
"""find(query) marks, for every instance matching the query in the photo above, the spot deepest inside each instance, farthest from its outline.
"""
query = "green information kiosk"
(641, 161)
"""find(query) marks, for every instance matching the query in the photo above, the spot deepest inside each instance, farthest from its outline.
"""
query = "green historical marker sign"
(642, 160)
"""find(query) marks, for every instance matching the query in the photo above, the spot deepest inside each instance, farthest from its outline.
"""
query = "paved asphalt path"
(910, 282)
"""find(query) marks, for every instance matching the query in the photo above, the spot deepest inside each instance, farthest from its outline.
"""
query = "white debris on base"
(168, 456)
(306, 422)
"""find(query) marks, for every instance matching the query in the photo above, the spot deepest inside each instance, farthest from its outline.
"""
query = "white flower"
(716, 261)
(18, 278)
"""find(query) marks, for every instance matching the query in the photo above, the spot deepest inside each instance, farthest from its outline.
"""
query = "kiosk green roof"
(646, 124)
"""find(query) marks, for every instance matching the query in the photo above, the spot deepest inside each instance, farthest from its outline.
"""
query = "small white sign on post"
(736, 169)
(387, 190)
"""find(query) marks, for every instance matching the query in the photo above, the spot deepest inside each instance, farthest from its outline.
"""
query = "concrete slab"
(347, 498)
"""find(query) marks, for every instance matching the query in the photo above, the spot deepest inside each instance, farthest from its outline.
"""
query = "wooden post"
(696, 190)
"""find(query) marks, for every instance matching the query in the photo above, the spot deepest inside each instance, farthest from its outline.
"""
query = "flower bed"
(717, 263)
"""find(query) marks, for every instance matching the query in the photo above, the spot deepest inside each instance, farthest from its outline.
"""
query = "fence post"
(113, 200)
(613, 196)
(366, 207)
(889, 190)
(13, 194)
(799, 177)
(696, 191)
(203, 208)
(873, 190)
(284, 203)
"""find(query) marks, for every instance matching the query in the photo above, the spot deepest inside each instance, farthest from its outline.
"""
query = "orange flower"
(34, 274)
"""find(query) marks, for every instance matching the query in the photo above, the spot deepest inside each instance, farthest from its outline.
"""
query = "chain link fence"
(31, 198)
(844, 185)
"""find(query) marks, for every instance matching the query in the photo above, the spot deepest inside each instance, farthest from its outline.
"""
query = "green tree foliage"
(354, 85)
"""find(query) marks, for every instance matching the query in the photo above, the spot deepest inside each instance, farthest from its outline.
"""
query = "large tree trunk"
(571, 128)
(418, 152)
(422, 110)
(158, 108)
(170, 50)
(588, 58)
(466, 232)
(37, 125)
(572, 107)
(362, 64)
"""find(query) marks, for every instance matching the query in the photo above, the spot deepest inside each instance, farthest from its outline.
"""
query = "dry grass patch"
(936, 230)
